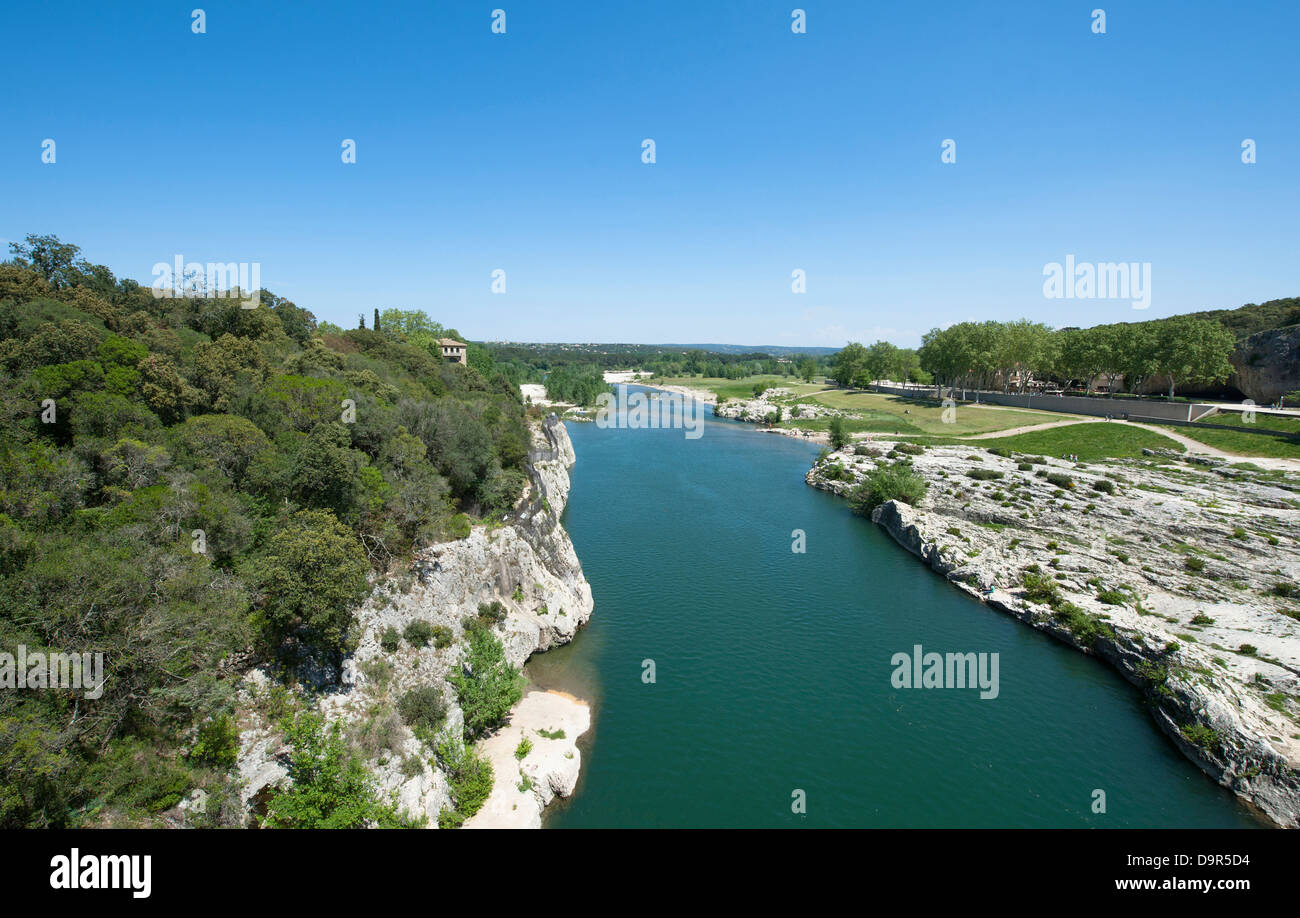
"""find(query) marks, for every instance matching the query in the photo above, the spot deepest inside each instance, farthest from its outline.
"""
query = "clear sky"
(775, 152)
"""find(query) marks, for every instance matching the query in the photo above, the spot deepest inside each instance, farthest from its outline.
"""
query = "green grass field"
(886, 413)
(1276, 422)
(1090, 442)
(1243, 444)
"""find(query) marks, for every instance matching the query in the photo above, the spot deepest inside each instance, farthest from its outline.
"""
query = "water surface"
(773, 668)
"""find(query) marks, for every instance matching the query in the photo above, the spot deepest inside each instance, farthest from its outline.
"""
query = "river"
(772, 668)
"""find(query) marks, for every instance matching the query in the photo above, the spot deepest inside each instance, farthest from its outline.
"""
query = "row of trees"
(1180, 349)
(856, 365)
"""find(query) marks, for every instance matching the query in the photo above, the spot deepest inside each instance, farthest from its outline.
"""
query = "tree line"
(1181, 350)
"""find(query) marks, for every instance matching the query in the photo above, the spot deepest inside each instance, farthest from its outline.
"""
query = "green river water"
(772, 668)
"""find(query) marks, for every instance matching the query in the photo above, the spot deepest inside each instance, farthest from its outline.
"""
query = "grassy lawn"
(1089, 442)
(1243, 444)
(926, 416)
(1264, 421)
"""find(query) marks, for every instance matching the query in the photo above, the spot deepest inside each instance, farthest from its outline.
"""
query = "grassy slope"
(1243, 444)
(886, 412)
(1089, 442)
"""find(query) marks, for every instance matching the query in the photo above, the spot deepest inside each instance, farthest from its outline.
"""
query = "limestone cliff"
(528, 564)
(1180, 576)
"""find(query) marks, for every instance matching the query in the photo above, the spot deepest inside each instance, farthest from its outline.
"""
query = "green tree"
(487, 685)
(312, 576)
(839, 435)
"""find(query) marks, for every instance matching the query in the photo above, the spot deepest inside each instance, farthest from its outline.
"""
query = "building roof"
(451, 342)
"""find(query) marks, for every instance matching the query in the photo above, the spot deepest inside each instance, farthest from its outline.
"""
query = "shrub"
(418, 633)
(894, 482)
(1086, 628)
(469, 778)
(1201, 618)
(459, 526)
(865, 451)
(1194, 565)
(1284, 589)
(1103, 485)
(911, 449)
(1111, 597)
(1248, 649)
(1064, 482)
(493, 612)
(330, 789)
(486, 685)
(1024, 467)
(1200, 735)
(423, 708)
(525, 746)
(390, 639)
(984, 474)
(217, 743)
(442, 636)
(1040, 589)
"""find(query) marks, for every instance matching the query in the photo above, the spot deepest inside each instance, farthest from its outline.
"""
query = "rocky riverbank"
(529, 566)
(1180, 572)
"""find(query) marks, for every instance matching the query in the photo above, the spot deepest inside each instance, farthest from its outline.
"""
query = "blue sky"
(775, 151)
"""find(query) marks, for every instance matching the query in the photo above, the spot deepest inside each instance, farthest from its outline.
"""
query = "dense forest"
(188, 487)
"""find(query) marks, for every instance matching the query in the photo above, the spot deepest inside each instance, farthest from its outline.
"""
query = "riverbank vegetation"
(190, 487)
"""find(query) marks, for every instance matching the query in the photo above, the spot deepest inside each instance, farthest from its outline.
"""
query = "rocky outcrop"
(527, 564)
(1181, 577)
(1267, 365)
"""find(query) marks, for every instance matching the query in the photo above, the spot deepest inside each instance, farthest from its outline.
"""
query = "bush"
(525, 746)
(1195, 565)
(469, 778)
(910, 449)
(459, 526)
(418, 633)
(984, 474)
(1111, 597)
(486, 685)
(442, 636)
(330, 789)
(894, 482)
(1106, 487)
(423, 708)
(390, 640)
(865, 451)
(492, 613)
(217, 743)
(1064, 482)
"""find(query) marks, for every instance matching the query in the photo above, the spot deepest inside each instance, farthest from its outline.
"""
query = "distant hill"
(1256, 317)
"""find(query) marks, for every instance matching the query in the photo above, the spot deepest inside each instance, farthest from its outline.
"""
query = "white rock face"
(530, 567)
(1179, 572)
